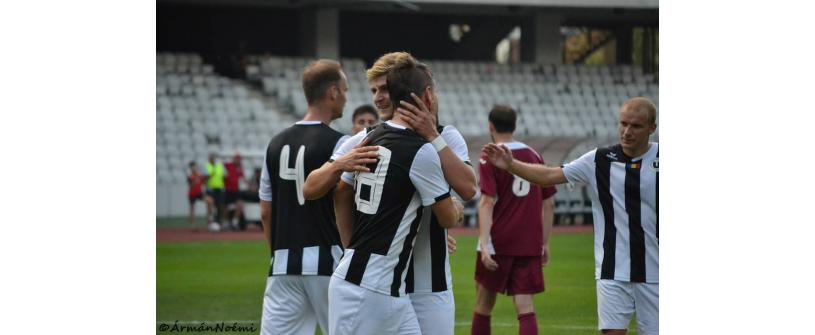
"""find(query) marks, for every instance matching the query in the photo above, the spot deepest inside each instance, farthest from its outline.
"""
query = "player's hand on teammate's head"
(357, 159)
(499, 155)
(419, 117)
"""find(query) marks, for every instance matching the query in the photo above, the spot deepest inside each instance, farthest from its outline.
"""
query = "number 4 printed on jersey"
(295, 174)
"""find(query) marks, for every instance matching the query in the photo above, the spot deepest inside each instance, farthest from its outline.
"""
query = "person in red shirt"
(515, 219)
(196, 180)
(234, 175)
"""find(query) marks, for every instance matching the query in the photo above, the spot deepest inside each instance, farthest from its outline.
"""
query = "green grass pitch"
(224, 281)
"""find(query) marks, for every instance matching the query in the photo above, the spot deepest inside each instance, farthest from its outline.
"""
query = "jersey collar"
(395, 125)
(514, 145)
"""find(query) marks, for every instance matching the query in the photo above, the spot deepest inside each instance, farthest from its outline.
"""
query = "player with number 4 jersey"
(302, 234)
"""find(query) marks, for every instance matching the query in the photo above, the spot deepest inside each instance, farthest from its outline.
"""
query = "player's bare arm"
(451, 242)
(447, 212)
(460, 176)
(501, 157)
(266, 220)
(344, 211)
(548, 214)
(485, 208)
(320, 181)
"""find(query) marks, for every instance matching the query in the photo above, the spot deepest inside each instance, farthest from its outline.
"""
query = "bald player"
(623, 182)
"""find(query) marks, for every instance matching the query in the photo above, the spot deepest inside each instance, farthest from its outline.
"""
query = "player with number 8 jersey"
(367, 293)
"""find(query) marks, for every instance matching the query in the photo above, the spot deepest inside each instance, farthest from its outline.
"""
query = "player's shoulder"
(425, 153)
(405, 135)
(356, 138)
(517, 146)
(523, 149)
(321, 130)
(374, 131)
(333, 132)
(612, 152)
(613, 147)
(277, 138)
(450, 132)
(451, 129)
(284, 132)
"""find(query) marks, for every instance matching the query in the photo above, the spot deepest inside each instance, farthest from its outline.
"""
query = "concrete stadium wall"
(171, 200)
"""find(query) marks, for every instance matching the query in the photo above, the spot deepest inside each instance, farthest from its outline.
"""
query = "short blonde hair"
(388, 61)
(642, 104)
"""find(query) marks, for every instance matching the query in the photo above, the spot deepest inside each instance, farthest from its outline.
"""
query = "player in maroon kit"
(515, 219)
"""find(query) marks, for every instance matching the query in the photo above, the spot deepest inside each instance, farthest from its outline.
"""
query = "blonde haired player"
(429, 283)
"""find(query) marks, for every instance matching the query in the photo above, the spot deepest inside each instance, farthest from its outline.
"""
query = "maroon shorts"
(515, 274)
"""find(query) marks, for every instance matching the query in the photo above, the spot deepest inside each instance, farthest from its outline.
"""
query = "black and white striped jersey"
(429, 268)
(624, 193)
(389, 201)
(305, 236)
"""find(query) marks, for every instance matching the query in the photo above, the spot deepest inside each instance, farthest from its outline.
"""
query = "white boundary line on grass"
(187, 322)
(458, 324)
(511, 324)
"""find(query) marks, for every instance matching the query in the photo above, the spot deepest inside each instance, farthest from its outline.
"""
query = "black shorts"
(249, 196)
(231, 197)
(217, 195)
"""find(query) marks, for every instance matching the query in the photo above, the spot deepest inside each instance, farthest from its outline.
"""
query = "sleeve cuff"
(348, 179)
(430, 201)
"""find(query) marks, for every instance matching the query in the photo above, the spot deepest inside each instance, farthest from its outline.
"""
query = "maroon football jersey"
(517, 225)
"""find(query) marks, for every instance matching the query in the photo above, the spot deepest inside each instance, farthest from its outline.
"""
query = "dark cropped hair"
(503, 118)
(318, 77)
(364, 109)
(407, 77)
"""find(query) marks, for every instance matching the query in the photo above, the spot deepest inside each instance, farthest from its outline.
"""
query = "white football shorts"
(617, 301)
(295, 305)
(436, 311)
(356, 310)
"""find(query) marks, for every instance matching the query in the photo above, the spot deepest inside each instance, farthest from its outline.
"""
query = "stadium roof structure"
(432, 5)
(544, 3)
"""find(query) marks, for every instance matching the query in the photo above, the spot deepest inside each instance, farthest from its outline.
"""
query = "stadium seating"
(280, 78)
(199, 112)
(554, 100)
